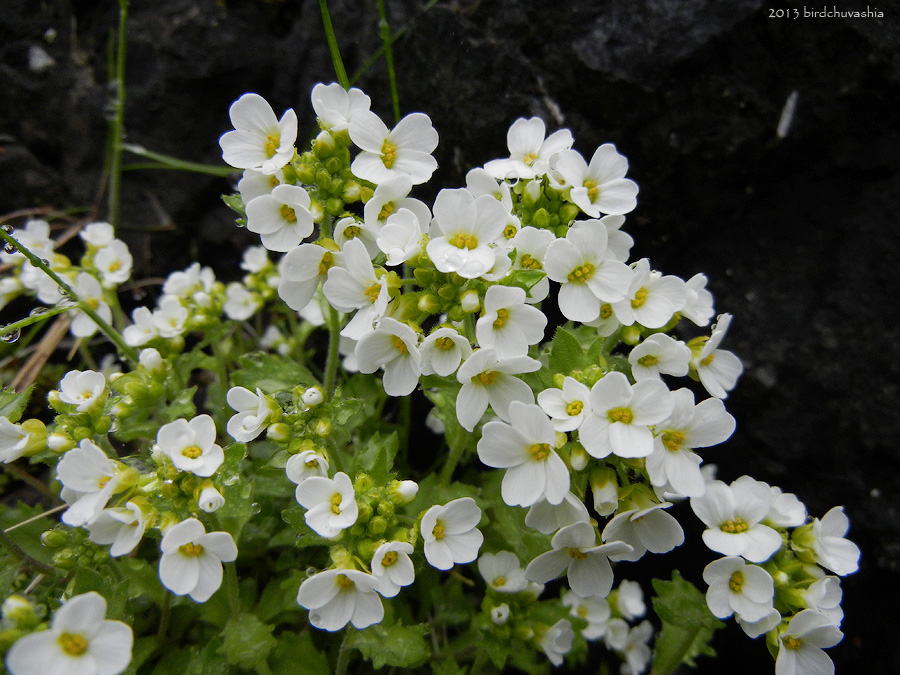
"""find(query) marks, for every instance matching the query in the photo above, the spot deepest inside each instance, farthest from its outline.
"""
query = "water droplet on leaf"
(12, 336)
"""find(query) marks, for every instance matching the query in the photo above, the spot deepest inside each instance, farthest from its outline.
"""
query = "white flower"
(121, 527)
(392, 567)
(191, 562)
(569, 406)
(621, 415)
(618, 243)
(302, 269)
(305, 465)
(443, 351)
(833, 550)
(464, 231)
(389, 197)
(785, 509)
(142, 330)
(481, 182)
(351, 227)
(502, 572)
(252, 416)
(800, 646)
(733, 515)
(718, 369)
(82, 389)
(240, 303)
(824, 596)
(330, 503)
(210, 500)
(508, 324)
(353, 284)
(630, 600)
(89, 290)
(80, 641)
(594, 610)
(450, 534)
(648, 529)
(405, 150)
(337, 597)
(170, 317)
(525, 447)
(575, 552)
(185, 283)
(260, 140)
(635, 650)
(97, 234)
(556, 642)
(547, 518)
(589, 276)
(601, 186)
(688, 426)
(89, 480)
(13, 440)
(737, 587)
(114, 261)
(282, 217)
(530, 245)
(393, 346)
(500, 614)
(605, 490)
(401, 237)
(659, 354)
(255, 259)
(698, 303)
(652, 299)
(530, 153)
(487, 379)
(335, 106)
(192, 445)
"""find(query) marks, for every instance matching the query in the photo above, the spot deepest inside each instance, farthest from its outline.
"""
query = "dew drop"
(255, 508)
(9, 248)
(37, 311)
(6, 227)
(11, 337)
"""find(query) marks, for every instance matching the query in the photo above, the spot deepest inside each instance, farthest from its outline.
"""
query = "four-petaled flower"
(450, 533)
(191, 562)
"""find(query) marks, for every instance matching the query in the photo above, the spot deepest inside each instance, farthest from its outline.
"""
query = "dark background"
(798, 236)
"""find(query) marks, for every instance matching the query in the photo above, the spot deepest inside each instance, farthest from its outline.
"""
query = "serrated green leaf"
(270, 372)
(247, 641)
(378, 457)
(397, 645)
(687, 628)
(566, 353)
(12, 404)
(297, 655)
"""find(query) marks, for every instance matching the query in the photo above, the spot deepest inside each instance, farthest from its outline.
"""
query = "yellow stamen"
(736, 526)
(326, 263)
(502, 318)
(605, 310)
(115, 266)
(345, 582)
(438, 531)
(707, 360)
(463, 241)
(486, 379)
(388, 154)
(336, 503)
(639, 298)
(530, 158)
(791, 642)
(539, 451)
(649, 360)
(574, 408)
(103, 481)
(288, 213)
(499, 582)
(389, 559)
(736, 582)
(530, 263)
(73, 644)
(192, 452)
(582, 611)
(592, 189)
(190, 549)
(623, 415)
(672, 440)
(386, 210)
(575, 554)
(510, 231)
(581, 273)
(351, 231)
(372, 292)
(271, 145)
(443, 343)
(400, 346)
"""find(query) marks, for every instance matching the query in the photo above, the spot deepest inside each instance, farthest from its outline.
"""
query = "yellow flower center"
(574, 408)
(791, 642)
(463, 241)
(530, 158)
(345, 582)
(736, 582)
(648, 360)
(576, 554)
(672, 440)
(336, 503)
(487, 379)
(313, 463)
(509, 231)
(593, 190)
(192, 452)
(115, 266)
(581, 273)
(372, 292)
(388, 154)
(351, 231)
(190, 549)
(438, 531)
(271, 145)
(639, 298)
(623, 415)
(288, 213)
(400, 346)
(539, 451)
(582, 611)
(530, 263)
(73, 644)
(103, 481)
(736, 526)
(605, 310)
(502, 318)
(386, 211)
(389, 559)
(93, 303)
(326, 263)
(499, 582)
(443, 343)
(707, 360)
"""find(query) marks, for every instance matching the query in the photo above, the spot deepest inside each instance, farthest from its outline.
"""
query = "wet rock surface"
(798, 235)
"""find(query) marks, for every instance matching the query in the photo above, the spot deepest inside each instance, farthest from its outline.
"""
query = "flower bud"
(19, 611)
(500, 614)
(377, 526)
(210, 499)
(321, 427)
(278, 432)
(402, 491)
(324, 145)
(334, 206)
(470, 302)
(631, 335)
(55, 538)
(540, 218)
(429, 304)
(578, 457)
(313, 397)
(152, 360)
(341, 557)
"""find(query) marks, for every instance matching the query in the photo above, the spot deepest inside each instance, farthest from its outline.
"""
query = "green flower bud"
(377, 526)
(447, 292)
(385, 508)
(341, 557)
(424, 275)
(324, 145)
(55, 538)
(306, 173)
(81, 433)
(541, 218)
(429, 304)
(353, 192)
(103, 424)
(334, 206)
(363, 483)
(365, 513)
(334, 165)
(567, 213)
(470, 302)
(402, 491)
(37, 437)
(65, 559)
(578, 457)
(456, 314)
(322, 428)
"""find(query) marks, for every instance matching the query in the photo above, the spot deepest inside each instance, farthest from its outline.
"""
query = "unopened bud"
(313, 397)
(402, 491)
(470, 302)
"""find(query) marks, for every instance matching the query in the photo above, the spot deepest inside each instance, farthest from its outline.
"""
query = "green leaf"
(297, 656)
(247, 640)
(13, 404)
(687, 624)
(378, 457)
(566, 353)
(270, 372)
(398, 645)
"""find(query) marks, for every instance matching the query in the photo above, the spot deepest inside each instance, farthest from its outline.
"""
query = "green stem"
(162, 161)
(7, 543)
(344, 652)
(117, 125)
(481, 659)
(389, 57)
(233, 590)
(457, 449)
(334, 356)
(333, 46)
(31, 319)
(104, 327)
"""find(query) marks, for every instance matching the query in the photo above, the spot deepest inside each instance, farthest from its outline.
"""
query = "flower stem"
(344, 652)
(32, 319)
(104, 327)
(333, 46)
(333, 358)
(7, 543)
(117, 124)
(389, 57)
